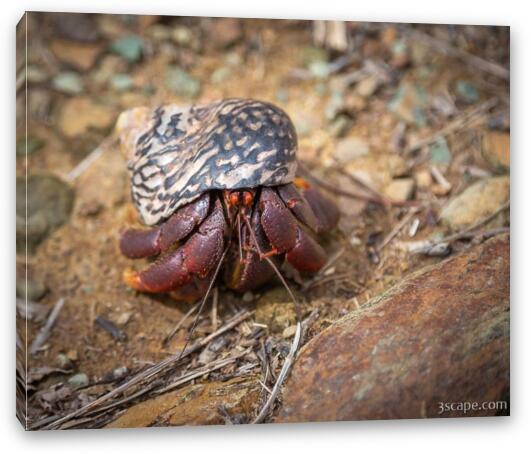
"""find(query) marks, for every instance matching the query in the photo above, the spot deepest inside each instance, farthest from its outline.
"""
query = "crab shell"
(177, 153)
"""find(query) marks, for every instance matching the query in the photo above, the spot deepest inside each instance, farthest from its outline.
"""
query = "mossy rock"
(49, 205)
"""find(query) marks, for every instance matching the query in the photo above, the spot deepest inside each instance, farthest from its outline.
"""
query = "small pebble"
(182, 83)
(248, 297)
(160, 32)
(121, 82)
(35, 289)
(63, 361)
(233, 59)
(36, 75)
(68, 82)
(220, 75)
(116, 374)
(123, 318)
(439, 152)
(368, 86)
(355, 241)
(400, 189)
(423, 178)
(467, 91)
(289, 331)
(350, 149)
(439, 250)
(319, 69)
(495, 149)
(409, 104)
(79, 380)
(182, 36)
(476, 202)
(129, 48)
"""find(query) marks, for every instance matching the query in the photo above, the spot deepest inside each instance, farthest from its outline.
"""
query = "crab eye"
(247, 198)
(233, 199)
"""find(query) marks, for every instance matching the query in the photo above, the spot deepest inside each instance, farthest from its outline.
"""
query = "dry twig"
(47, 328)
(151, 372)
(281, 377)
(423, 247)
(445, 47)
(378, 199)
(396, 230)
(179, 324)
(458, 123)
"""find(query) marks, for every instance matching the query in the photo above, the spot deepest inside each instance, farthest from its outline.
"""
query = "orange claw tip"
(301, 183)
(132, 279)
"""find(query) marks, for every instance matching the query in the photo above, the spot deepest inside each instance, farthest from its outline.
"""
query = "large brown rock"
(441, 335)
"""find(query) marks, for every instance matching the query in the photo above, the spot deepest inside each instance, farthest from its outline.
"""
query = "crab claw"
(132, 279)
(195, 259)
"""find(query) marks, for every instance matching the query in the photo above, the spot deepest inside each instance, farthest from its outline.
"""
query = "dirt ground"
(414, 121)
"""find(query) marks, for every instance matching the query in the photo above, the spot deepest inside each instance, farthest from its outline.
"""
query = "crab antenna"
(275, 269)
(203, 301)
(240, 236)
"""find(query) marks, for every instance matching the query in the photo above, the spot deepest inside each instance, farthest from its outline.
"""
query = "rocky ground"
(407, 127)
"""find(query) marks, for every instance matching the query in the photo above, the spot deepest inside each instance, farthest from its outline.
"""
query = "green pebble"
(220, 75)
(79, 380)
(129, 48)
(319, 69)
(467, 91)
(68, 82)
(182, 83)
(439, 152)
(121, 82)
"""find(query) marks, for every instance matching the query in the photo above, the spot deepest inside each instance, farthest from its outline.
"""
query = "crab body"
(217, 183)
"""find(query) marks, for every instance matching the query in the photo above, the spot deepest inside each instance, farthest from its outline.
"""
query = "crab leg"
(251, 272)
(298, 205)
(277, 221)
(325, 211)
(196, 258)
(307, 256)
(136, 243)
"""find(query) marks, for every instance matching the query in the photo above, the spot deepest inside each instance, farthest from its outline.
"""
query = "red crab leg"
(277, 221)
(196, 258)
(192, 291)
(298, 205)
(251, 272)
(324, 209)
(307, 256)
(136, 243)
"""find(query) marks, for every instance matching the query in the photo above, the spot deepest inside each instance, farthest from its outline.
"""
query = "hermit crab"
(216, 185)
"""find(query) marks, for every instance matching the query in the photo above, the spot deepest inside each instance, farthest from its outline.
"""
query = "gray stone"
(79, 380)
(182, 83)
(121, 82)
(129, 48)
(400, 189)
(35, 289)
(49, 204)
(68, 82)
(350, 149)
(476, 202)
